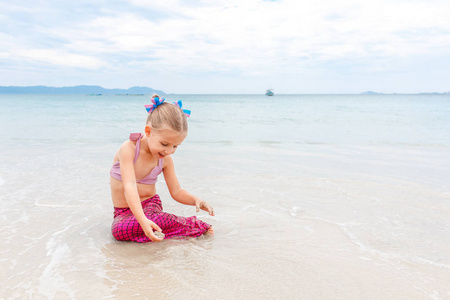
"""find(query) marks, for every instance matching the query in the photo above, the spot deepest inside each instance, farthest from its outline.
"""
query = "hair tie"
(156, 103)
(186, 111)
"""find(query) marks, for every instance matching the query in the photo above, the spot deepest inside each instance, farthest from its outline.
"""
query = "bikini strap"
(136, 137)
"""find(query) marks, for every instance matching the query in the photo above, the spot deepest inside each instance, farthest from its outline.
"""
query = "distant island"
(371, 93)
(79, 89)
(376, 93)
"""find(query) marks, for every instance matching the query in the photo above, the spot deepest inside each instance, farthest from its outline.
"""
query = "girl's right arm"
(126, 158)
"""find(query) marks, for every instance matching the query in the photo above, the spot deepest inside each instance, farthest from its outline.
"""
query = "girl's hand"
(148, 226)
(200, 204)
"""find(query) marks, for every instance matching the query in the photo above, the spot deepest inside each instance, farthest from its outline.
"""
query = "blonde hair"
(168, 115)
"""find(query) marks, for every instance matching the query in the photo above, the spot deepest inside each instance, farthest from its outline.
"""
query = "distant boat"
(269, 92)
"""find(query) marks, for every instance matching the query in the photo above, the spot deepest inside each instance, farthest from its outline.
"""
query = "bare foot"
(210, 230)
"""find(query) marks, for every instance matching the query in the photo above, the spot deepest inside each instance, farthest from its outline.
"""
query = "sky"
(228, 46)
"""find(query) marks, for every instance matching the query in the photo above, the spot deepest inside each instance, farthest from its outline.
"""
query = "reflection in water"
(157, 269)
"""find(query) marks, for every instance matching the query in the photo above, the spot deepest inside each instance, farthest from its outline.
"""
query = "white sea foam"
(51, 280)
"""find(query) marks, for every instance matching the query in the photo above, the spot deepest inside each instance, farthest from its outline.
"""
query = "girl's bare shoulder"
(126, 150)
(168, 162)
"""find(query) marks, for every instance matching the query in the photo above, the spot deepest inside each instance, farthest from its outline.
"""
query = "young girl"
(137, 164)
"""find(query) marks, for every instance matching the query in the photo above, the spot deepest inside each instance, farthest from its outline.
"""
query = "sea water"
(316, 197)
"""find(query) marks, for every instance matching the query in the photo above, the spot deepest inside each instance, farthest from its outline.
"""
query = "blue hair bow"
(186, 111)
(156, 102)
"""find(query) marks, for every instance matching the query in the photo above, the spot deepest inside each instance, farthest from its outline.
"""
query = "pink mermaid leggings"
(125, 227)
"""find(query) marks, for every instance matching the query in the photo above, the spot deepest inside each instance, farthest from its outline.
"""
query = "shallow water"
(343, 197)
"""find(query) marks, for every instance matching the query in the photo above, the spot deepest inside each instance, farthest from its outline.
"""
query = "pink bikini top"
(151, 178)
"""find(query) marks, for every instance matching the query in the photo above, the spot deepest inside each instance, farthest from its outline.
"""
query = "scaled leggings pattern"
(125, 227)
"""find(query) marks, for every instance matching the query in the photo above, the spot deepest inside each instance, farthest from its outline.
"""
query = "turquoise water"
(249, 119)
(350, 190)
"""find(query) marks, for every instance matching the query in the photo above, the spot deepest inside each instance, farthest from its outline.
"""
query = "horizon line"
(368, 92)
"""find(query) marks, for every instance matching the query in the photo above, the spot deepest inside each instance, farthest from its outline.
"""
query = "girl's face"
(163, 142)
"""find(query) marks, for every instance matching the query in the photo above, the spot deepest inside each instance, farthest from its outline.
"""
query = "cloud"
(282, 32)
(252, 38)
(60, 58)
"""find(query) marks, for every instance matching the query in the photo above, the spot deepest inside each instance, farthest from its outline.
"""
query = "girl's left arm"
(179, 194)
